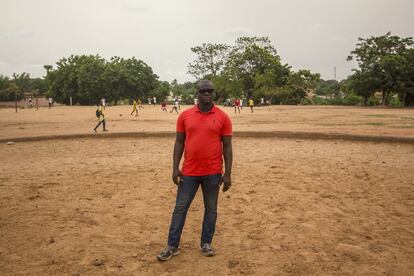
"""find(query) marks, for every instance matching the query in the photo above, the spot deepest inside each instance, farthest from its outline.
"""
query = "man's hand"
(226, 180)
(176, 176)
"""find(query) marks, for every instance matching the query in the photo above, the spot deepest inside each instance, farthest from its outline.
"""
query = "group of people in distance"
(239, 103)
(137, 105)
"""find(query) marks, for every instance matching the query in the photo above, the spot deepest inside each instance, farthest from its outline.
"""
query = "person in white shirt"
(103, 103)
(175, 107)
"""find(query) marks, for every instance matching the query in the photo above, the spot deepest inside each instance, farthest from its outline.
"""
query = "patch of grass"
(402, 126)
(332, 124)
(407, 118)
(380, 115)
(376, 124)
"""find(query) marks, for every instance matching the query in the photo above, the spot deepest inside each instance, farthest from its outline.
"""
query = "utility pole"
(334, 72)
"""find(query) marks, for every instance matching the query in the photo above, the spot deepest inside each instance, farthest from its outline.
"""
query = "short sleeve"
(180, 123)
(227, 129)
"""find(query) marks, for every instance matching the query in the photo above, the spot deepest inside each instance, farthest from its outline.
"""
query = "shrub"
(373, 101)
(395, 102)
(352, 99)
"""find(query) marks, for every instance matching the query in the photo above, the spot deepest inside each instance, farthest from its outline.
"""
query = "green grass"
(407, 118)
(380, 115)
(403, 126)
(332, 124)
(376, 124)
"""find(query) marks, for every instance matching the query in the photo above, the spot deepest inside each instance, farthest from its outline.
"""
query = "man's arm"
(228, 162)
(178, 153)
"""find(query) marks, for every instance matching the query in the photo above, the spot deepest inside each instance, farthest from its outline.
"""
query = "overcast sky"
(308, 34)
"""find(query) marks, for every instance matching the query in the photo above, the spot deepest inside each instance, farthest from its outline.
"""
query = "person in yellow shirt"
(100, 116)
(134, 108)
(251, 104)
(140, 106)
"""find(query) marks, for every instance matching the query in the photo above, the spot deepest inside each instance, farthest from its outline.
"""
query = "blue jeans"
(210, 185)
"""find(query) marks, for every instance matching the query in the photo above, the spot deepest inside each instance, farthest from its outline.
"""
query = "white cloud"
(314, 34)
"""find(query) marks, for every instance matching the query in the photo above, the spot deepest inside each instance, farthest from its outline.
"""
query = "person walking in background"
(204, 132)
(50, 102)
(251, 104)
(134, 108)
(237, 105)
(164, 106)
(177, 103)
(101, 117)
(175, 107)
(103, 103)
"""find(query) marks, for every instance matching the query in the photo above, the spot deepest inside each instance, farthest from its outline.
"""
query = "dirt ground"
(325, 119)
(102, 206)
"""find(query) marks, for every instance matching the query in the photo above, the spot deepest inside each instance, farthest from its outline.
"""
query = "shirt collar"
(212, 110)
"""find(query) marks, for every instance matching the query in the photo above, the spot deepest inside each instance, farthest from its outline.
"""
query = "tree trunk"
(365, 100)
(384, 98)
(404, 98)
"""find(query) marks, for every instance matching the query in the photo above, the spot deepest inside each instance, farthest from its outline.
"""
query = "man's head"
(205, 91)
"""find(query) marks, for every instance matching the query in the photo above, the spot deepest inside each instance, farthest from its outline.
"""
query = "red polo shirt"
(203, 148)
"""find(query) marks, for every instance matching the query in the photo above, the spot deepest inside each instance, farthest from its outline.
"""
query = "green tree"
(383, 58)
(5, 92)
(405, 84)
(22, 82)
(210, 60)
(162, 91)
(362, 84)
(39, 85)
(88, 78)
(328, 87)
(254, 63)
(303, 84)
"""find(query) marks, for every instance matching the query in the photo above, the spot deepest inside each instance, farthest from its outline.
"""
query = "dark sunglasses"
(209, 91)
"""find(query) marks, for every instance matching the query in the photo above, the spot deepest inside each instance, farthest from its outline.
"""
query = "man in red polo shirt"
(204, 135)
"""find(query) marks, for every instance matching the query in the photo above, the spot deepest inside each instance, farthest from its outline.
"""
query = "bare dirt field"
(102, 206)
(63, 120)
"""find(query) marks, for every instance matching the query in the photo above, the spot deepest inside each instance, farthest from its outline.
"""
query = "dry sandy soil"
(325, 119)
(102, 206)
